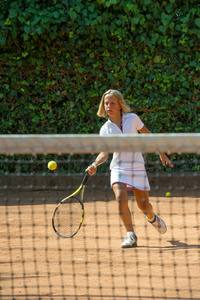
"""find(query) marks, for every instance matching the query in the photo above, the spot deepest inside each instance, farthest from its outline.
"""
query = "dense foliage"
(58, 57)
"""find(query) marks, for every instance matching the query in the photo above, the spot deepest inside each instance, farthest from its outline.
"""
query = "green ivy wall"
(58, 57)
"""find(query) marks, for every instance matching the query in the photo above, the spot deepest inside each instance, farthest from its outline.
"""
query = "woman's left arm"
(165, 160)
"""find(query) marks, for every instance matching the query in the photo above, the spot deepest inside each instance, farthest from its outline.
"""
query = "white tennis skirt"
(131, 178)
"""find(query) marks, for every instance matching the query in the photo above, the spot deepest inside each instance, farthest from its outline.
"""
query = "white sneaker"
(159, 225)
(129, 241)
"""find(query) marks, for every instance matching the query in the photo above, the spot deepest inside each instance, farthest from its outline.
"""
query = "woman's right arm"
(101, 158)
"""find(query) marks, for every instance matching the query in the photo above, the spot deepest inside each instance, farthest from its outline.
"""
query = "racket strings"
(68, 217)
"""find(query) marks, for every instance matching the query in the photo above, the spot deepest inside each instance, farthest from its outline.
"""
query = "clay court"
(37, 264)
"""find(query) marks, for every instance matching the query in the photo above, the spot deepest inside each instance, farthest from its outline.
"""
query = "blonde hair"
(124, 107)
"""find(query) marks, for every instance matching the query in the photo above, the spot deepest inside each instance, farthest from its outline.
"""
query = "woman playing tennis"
(127, 169)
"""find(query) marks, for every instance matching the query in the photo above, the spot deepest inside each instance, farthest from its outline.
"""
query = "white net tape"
(93, 143)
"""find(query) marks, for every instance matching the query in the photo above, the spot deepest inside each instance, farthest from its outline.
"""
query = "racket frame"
(81, 190)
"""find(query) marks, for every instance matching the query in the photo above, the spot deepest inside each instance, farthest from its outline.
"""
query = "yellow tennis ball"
(52, 165)
(168, 194)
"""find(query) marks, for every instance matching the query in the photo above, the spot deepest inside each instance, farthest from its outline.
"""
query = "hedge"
(58, 57)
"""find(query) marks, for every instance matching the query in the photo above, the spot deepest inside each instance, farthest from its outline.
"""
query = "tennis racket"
(69, 213)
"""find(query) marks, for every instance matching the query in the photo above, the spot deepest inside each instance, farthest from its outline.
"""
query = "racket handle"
(85, 179)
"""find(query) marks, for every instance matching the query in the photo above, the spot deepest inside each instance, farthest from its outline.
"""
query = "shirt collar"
(124, 116)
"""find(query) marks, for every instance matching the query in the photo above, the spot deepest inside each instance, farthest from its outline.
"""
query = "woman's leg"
(142, 199)
(122, 199)
(125, 214)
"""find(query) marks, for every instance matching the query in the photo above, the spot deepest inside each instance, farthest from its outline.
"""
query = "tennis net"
(38, 264)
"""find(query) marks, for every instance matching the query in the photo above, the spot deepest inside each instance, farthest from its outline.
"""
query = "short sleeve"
(103, 130)
(138, 122)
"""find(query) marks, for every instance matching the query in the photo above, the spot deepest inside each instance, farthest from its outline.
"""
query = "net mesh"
(38, 264)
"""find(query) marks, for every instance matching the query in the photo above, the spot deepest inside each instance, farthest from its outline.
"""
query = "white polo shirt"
(131, 123)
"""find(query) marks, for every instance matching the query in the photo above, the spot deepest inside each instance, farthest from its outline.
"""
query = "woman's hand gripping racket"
(69, 213)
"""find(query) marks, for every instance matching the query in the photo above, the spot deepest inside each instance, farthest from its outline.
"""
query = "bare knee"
(122, 204)
(121, 196)
(143, 204)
